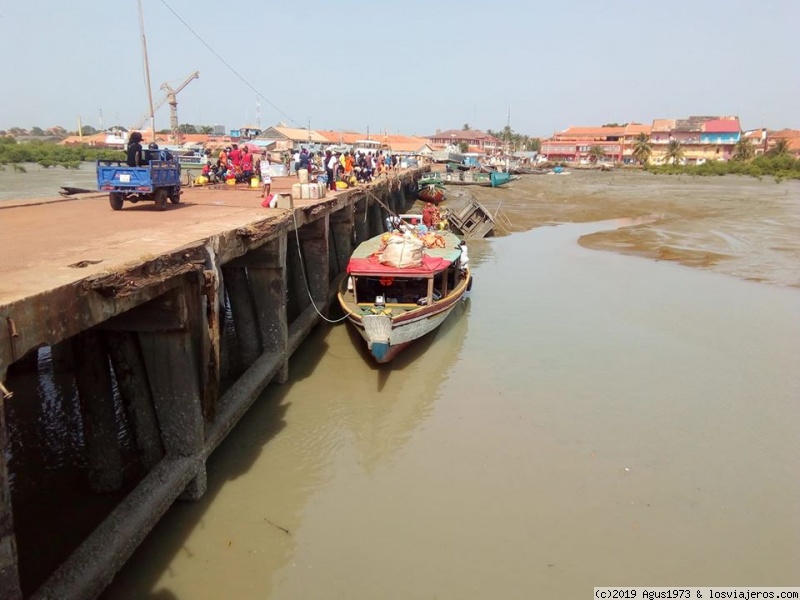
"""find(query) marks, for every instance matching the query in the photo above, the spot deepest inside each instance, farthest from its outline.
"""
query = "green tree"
(465, 127)
(463, 147)
(642, 150)
(37, 131)
(596, 153)
(88, 130)
(781, 147)
(17, 131)
(206, 129)
(744, 150)
(187, 128)
(674, 152)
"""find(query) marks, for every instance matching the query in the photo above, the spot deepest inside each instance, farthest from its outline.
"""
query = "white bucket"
(303, 174)
(313, 189)
(297, 191)
(305, 191)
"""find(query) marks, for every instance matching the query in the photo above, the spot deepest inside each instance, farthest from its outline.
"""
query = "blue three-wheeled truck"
(159, 181)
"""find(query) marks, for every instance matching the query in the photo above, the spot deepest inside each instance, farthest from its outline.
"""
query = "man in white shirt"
(266, 178)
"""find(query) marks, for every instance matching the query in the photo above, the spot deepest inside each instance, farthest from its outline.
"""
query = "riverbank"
(738, 226)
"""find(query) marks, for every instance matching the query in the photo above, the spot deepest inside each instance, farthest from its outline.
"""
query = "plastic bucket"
(303, 174)
(255, 182)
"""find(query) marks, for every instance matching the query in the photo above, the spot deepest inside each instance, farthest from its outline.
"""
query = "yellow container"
(230, 181)
(255, 182)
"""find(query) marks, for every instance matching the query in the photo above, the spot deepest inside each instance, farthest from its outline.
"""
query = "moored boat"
(391, 306)
(431, 192)
(498, 178)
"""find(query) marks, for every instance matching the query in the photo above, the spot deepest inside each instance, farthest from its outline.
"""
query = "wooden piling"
(314, 241)
(266, 267)
(9, 573)
(342, 224)
(134, 389)
(171, 358)
(244, 317)
(361, 223)
(93, 379)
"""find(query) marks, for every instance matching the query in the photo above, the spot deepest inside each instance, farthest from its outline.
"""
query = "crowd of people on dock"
(233, 165)
(338, 170)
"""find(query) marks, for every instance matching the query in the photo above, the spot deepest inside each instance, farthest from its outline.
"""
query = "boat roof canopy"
(364, 260)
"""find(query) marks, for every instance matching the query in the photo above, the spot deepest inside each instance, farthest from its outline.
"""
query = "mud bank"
(738, 226)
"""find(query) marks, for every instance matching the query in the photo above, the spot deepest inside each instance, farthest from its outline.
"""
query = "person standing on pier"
(330, 163)
(266, 177)
(247, 164)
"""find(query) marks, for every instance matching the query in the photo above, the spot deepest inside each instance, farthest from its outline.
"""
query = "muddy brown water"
(588, 418)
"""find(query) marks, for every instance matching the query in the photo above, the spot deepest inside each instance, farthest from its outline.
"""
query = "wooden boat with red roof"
(391, 306)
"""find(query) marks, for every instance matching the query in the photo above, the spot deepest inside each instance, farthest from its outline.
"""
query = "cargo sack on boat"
(401, 252)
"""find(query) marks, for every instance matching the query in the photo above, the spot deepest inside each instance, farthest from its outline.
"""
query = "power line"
(224, 62)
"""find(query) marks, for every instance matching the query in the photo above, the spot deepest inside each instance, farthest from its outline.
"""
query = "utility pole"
(147, 73)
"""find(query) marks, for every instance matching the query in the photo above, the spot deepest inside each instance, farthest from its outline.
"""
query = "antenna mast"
(147, 73)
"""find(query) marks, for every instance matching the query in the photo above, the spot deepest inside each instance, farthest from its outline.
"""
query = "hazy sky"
(406, 66)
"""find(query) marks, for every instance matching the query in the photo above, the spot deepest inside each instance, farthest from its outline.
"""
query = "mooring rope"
(305, 277)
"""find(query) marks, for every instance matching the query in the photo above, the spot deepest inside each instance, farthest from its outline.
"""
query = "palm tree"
(596, 153)
(642, 150)
(674, 152)
(781, 147)
(465, 127)
(744, 150)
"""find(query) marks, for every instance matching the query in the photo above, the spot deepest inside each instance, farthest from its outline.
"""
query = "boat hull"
(499, 178)
(386, 336)
(431, 193)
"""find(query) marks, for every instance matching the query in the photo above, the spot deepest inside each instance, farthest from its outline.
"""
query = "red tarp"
(371, 266)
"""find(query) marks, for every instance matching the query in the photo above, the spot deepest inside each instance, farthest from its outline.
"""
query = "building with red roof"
(575, 144)
(475, 139)
(702, 138)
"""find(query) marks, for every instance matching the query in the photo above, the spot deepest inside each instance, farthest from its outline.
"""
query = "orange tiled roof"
(637, 128)
(343, 137)
(662, 125)
(784, 133)
(591, 132)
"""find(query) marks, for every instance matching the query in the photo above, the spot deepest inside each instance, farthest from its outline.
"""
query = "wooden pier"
(174, 321)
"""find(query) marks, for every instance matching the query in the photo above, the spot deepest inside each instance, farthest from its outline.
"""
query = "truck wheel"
(175, 196)
(115, 199)
(161, 199)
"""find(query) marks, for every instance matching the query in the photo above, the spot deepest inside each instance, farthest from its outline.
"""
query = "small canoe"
(431, 192)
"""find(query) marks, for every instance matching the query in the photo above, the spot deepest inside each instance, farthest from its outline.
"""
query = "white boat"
(390, 306)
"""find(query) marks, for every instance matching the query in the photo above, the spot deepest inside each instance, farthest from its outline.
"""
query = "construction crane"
(172, 100)
(168, 97)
